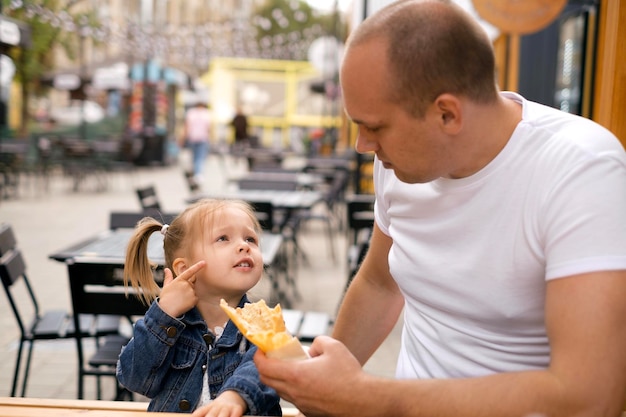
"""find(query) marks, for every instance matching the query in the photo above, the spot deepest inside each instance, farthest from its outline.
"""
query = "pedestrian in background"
(240, 124)
(197, 135)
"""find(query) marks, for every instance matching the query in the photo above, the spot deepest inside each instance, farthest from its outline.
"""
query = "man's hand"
(321, 385)
(179, 295)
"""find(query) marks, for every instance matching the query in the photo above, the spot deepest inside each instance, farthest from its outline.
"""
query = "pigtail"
(138, 270)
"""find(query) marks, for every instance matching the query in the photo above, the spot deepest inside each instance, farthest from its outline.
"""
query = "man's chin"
(409, 179)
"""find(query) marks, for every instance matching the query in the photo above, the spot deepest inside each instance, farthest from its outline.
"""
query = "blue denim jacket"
(166, 360)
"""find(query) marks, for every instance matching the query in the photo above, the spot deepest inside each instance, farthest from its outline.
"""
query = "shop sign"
(66, 81)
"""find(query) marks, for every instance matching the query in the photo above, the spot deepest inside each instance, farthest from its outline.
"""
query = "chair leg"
(80, 382)
(331, 242)
(27, 368)
(98, 388)
(18, 362)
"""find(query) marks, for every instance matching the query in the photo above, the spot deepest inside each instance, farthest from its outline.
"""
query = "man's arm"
(586, 377)
(372, 303)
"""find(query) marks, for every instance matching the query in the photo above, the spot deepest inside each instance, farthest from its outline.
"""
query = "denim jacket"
(166, 360)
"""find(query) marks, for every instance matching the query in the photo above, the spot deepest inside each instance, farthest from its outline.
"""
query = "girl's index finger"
(191, 271)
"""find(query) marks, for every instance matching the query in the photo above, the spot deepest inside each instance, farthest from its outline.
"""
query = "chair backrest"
(191, 181)
(148, 198)
(260, 158)
(360, 210)
(129, 219)
(7, 238)
(12, 269)
(337, 187)
(265, 214)
(98, 288)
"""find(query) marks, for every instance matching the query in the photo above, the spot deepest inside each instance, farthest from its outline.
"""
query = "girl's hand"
(179, 295)
(227, 404)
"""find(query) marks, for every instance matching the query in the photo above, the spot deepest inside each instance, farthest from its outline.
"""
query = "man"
(499, 232)
(240, 125)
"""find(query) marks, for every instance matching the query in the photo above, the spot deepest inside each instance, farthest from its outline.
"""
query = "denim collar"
(231, 335)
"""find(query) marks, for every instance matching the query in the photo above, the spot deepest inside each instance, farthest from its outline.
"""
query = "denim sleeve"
(261, 399)
(144, 361)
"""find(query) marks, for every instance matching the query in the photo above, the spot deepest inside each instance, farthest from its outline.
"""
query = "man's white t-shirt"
(472, 255)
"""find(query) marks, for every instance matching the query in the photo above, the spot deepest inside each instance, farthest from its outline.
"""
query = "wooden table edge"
(136, 408)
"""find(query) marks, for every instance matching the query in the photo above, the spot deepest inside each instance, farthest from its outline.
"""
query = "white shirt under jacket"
(472, 255)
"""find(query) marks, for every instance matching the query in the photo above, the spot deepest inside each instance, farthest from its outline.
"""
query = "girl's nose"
(244, 246)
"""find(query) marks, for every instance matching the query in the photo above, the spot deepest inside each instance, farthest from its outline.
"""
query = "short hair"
(433, 47)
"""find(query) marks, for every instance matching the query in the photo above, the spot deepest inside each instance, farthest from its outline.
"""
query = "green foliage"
(282, 17)
(295, 21)
(48, 22)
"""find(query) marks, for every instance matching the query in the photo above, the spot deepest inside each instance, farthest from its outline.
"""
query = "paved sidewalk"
(45, 221)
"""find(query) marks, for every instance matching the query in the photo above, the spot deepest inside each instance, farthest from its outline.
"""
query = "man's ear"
(449, 110)
(179, 266)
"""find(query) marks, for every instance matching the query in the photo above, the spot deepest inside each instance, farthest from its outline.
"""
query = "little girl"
(185, 355)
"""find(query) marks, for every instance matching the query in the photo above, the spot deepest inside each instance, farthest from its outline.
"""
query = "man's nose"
(364, 145)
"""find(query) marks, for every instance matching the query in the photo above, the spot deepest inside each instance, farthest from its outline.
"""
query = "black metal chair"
(43, 325)
(326, 209)
(97, 288)
(148, 198)
(260, 158)
(360, 213)
(265, 214)
(191, 181)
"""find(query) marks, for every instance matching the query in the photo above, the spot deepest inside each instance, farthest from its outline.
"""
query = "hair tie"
(164, 229)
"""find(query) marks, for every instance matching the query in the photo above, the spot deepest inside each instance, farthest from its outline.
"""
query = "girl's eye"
(251, 239)
(222, 238)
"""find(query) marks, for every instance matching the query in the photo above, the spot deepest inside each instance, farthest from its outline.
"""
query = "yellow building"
(275, 94)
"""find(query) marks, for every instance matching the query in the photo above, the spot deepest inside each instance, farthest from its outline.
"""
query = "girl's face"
(230, 247)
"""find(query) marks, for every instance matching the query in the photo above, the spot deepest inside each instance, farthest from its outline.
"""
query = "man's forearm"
(366, 318)
(514, 394)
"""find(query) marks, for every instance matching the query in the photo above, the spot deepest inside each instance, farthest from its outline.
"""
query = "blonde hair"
(182, 232)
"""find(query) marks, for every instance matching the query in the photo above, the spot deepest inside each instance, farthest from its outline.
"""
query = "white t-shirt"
(472, 255)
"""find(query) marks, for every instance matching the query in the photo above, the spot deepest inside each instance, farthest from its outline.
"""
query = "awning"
(113, 77)
(14, 33)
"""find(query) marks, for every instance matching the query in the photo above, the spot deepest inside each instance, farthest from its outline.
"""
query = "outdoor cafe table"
(290, 200)
(109, 248)
(47, 407)
(301, 180)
